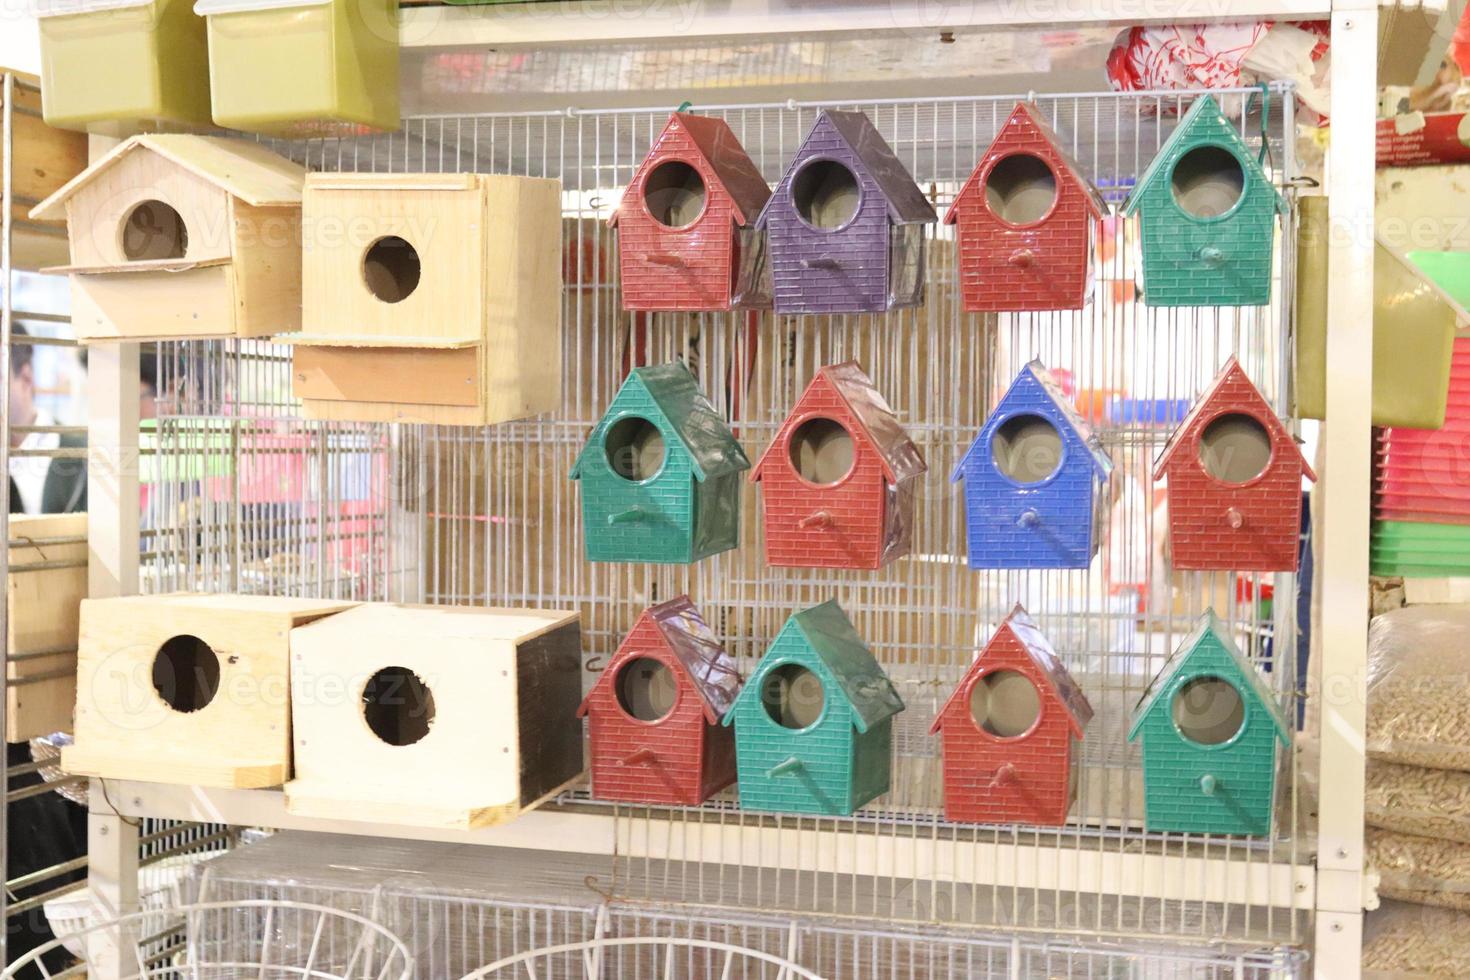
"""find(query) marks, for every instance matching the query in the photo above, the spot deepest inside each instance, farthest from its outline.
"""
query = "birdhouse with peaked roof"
(845, 226)
(1235, 482)
(1034, 481)
(1011, 731)
(660, 473)
(178, 237)
(1208, 216)
(1209, 727)
(686, 221)
(654, 714)
(1026, 220)
(840, 477)
(814, 723)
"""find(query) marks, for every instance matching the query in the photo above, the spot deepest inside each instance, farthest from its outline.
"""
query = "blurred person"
(38, 484)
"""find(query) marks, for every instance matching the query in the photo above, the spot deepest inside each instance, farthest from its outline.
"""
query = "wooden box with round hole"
(176, 237)
(1208, 216)
(430, 298)
(1012, 731)
(1026, 220)
(434, 716)
(1035, 480)
(679, 223)
(1234, 482)
(838, 481)
(1209, 725)
(187, 688)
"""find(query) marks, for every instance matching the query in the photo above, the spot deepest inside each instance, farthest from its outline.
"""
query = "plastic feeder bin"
(303, 67)
(119, 67)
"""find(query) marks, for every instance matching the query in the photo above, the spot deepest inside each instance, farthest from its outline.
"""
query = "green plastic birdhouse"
(660, 474)
(814, 724)
(1209, 726)
(1208, 214)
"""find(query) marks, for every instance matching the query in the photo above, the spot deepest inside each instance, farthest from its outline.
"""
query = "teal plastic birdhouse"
(660, 474)
(1209, 726)
(813, 725)
(1208, 213)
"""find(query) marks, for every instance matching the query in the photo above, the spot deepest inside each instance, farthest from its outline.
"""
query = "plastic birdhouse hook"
(1023, 258)
(1028, 518)
(1004, 775)
(791, 765)
(819, 519)
(642, 757)
(1211, 256)
(1234, 518)
(630, 516)
(820, 263)
(1207, 784)
(663, 258)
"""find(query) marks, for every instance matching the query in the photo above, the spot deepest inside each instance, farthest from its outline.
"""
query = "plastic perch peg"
(1023, 258)
(1207, 784)
(1028, 518)
(1004, 775)
(819, 519)
(629, 516)
(1234, 518)
(642, 757)
(662, 258)
(791, 765)
(1211, 256)
(820, 263)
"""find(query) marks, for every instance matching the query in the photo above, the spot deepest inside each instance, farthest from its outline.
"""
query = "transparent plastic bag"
(1423, 870)
(1401, 941)
(1418, 673)
(1418, 800)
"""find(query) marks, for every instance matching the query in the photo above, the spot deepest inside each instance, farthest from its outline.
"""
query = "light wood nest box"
(430, 298)
(47, 582)
(188, 689)
(436, 716)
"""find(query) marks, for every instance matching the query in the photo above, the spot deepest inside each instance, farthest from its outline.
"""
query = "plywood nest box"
(188, 689)
(45, 158)
(435, 716)
(179, 237)
(47, 582)
(430, 298)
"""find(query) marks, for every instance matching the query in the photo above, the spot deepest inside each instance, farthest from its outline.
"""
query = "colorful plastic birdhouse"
(1026, 219)
(1011, 731)
(839, 478)
(1034, 481)
(814, 723)
(845, 226)
(654, 714)
(686, 221)
(1208, 215)
(1209, 726)
(1235, 482)
(660, 473)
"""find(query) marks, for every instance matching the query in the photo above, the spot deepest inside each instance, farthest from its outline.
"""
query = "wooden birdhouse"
(47, 582)
(1208, 216)
(654, 714)
(686, 221)
(178, 237)
(1209, 727)
(1034, 481)
(430, 298)
(845, 226)
(1235, 482)
(188, 689)
(839, 478)
(435, 716)
(660, 473)
(1026, 220)
(814, 723)
(1012, 730)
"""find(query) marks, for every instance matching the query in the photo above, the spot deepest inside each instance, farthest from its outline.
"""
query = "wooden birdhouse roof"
(907, 204)
(717, 144)
(242, 168)
(874, 420)
(1064, 690)
(1036, 374)
(1209, 633)
(1203, 124)
(1022, 130)
(1239, 382)
(688, 637)
(686, 414)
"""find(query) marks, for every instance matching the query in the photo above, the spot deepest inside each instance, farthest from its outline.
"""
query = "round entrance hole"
(153, 230)
(1005, 703)
(186, 673)
(1020, 189)
(674, 194)
(635, 448)
(821, 451)
(1235, 448)
(1207, 181)
(1027, 448)
(1208, 710)
(391, 269)
(793, 696)
(826, 194)
(646, 689)
(397, 706)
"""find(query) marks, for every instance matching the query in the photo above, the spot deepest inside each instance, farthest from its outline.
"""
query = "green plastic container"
(299, 68)
(119, 67)
(1449, 270)
(1415, 550)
